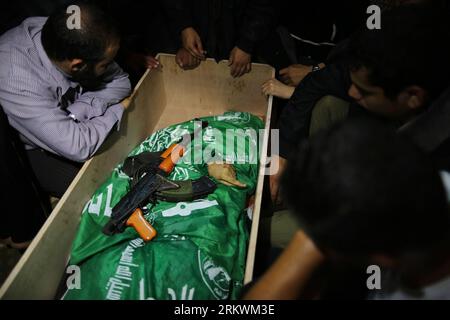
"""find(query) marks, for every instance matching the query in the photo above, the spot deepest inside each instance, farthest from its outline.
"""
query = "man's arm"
(296, 115)
(289, 275)
(93, 104)
(33, 111)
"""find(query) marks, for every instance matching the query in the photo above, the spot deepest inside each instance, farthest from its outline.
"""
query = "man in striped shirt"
(61, 89)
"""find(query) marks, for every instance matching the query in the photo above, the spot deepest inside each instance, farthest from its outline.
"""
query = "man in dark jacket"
(389, 76)
(221, 29)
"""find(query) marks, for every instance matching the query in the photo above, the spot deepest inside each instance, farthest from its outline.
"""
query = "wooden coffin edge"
(251, 250)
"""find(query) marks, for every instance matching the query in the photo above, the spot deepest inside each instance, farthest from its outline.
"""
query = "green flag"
(201, 246)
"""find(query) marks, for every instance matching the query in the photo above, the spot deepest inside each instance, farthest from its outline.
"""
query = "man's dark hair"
(411, 48)
(98, 31)
(360, 188)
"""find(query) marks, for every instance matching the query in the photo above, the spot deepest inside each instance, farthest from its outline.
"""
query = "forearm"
(56, 132)
(289, 275)
(296, 116)
(92, 104)
(88, 137)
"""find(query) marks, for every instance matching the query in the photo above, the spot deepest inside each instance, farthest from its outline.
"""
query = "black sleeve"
(179, 15)
(259, 18)
(296, 116)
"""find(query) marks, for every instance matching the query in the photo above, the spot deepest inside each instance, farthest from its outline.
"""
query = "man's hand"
(240, 62)
(191, 42)
(295, 73)
(185, 60)
(275, 179)
(273, 87)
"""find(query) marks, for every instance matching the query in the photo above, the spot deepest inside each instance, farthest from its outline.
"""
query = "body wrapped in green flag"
(201, 246)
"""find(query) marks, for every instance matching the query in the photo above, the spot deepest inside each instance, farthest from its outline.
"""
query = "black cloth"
(23, 209)
(223, 24)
